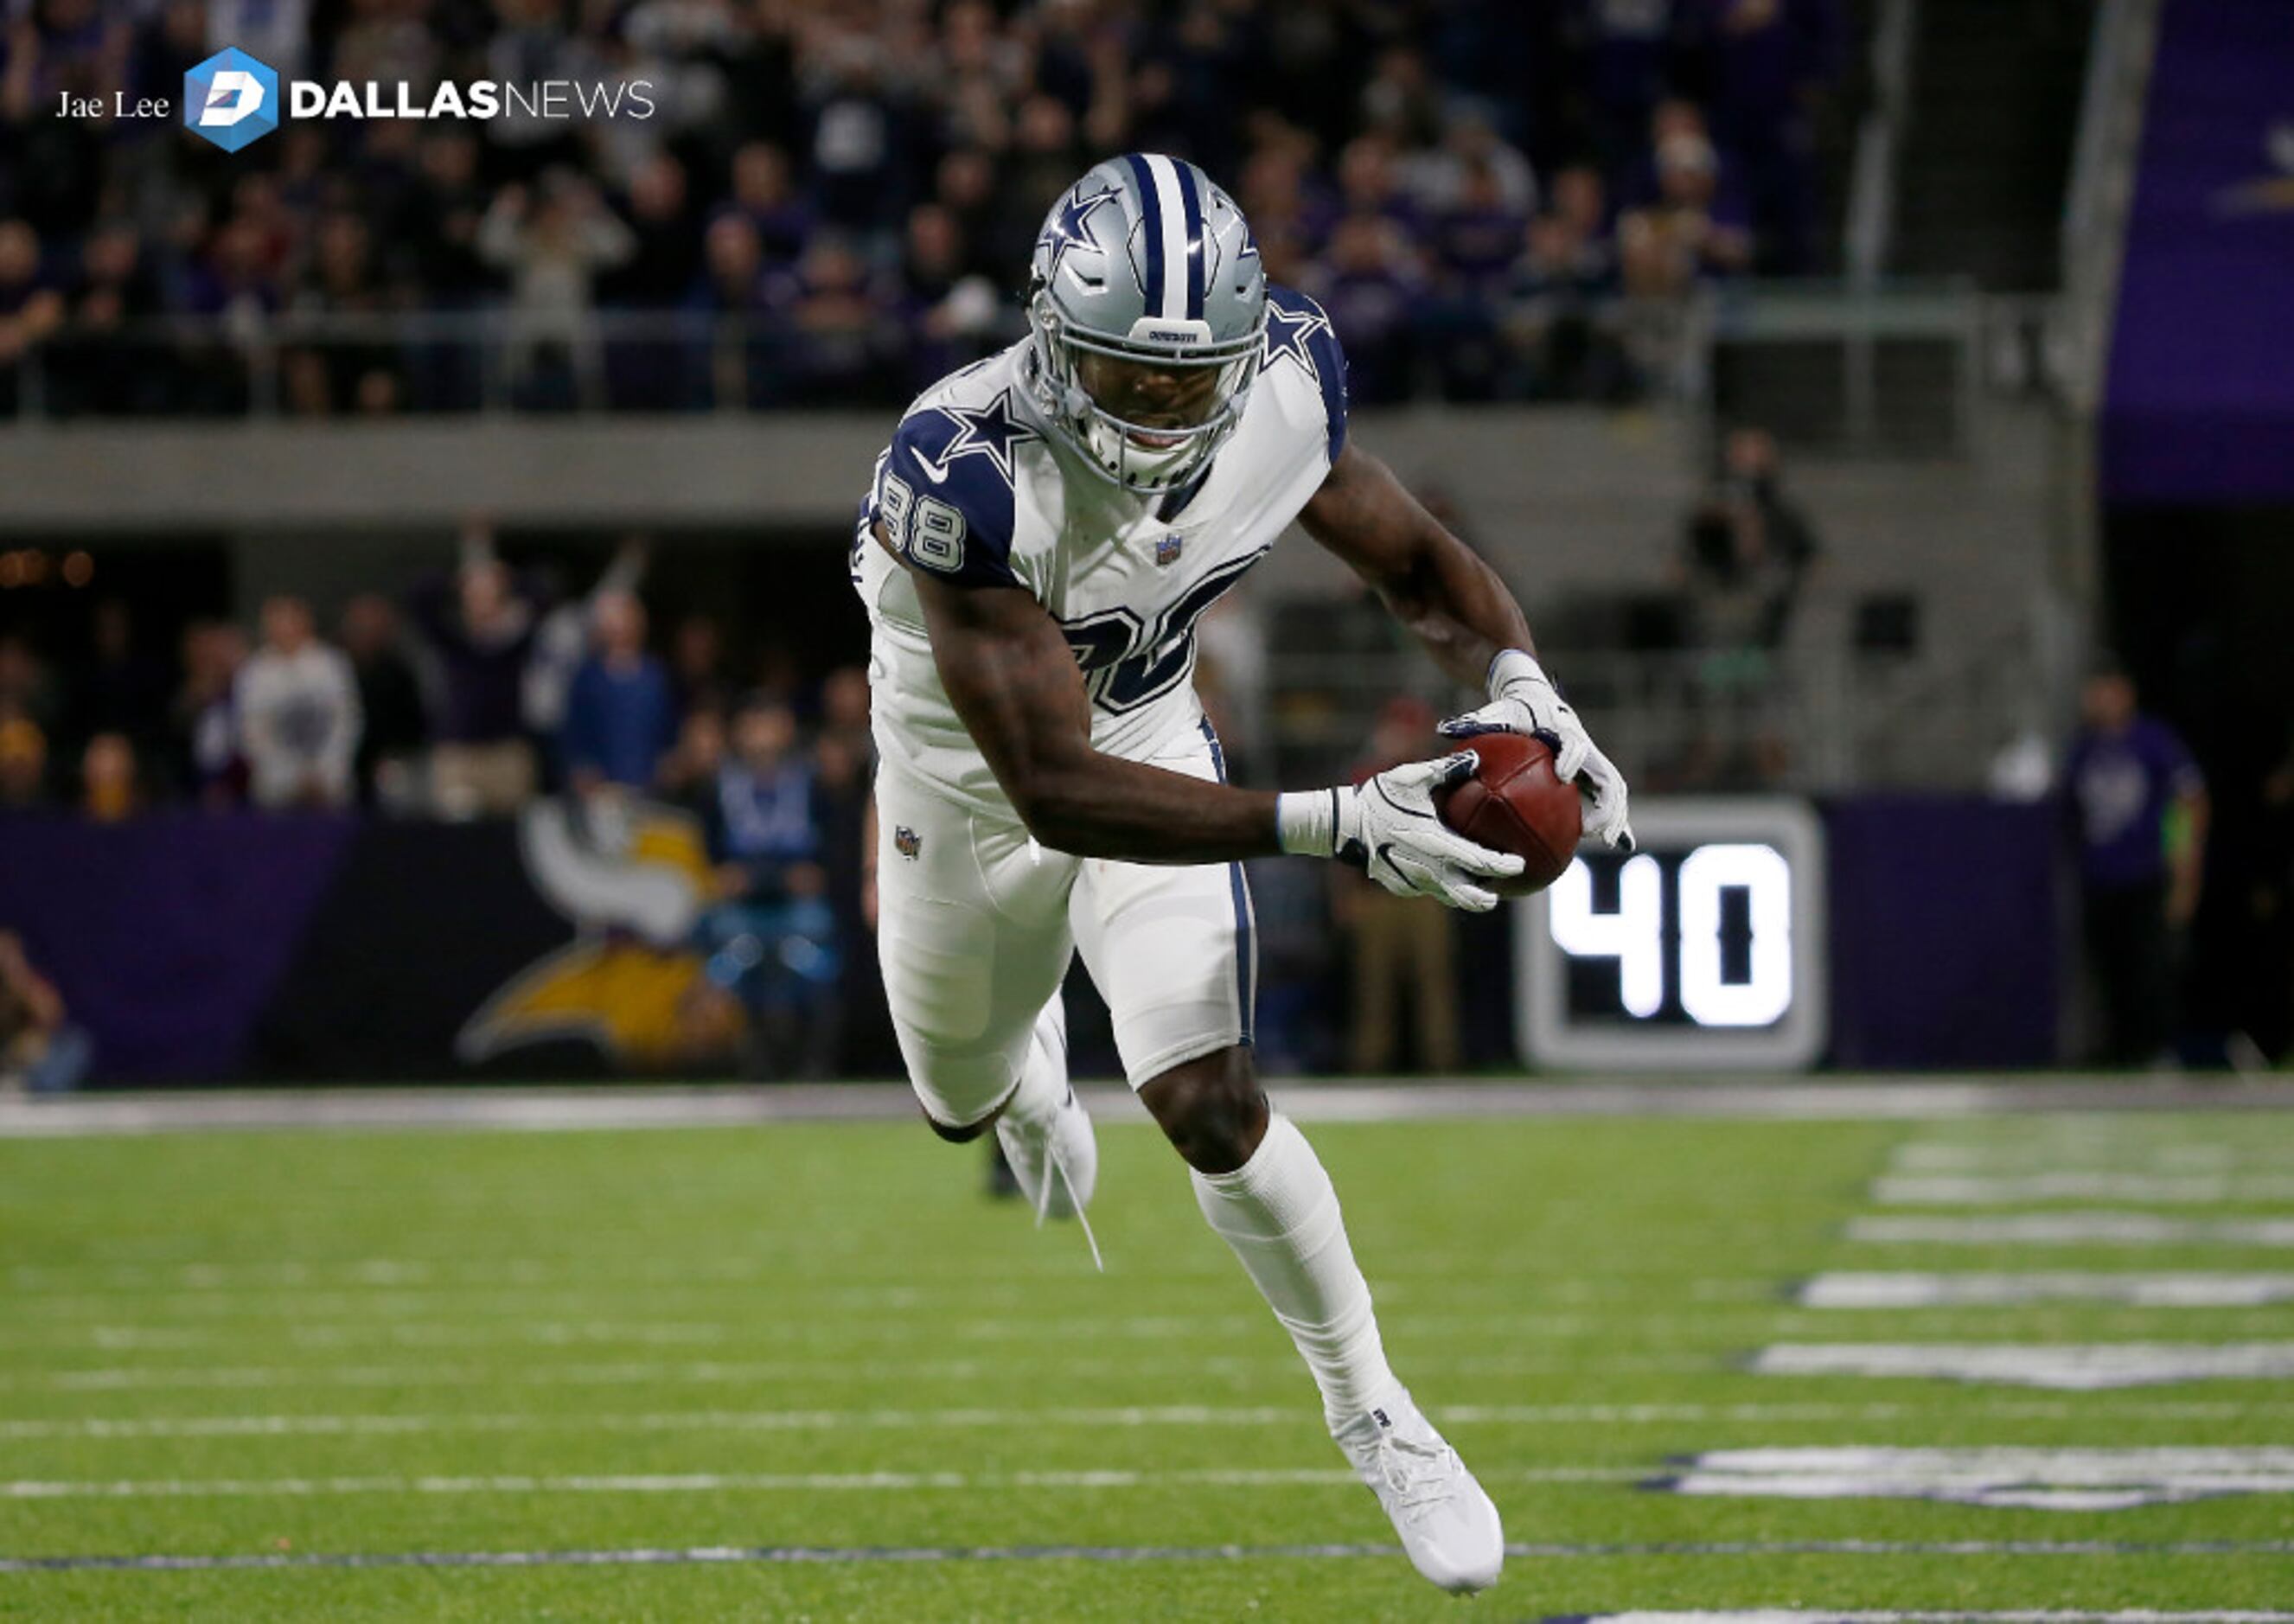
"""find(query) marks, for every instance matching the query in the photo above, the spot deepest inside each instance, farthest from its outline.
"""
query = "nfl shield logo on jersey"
(907, 841)
(1166, 550)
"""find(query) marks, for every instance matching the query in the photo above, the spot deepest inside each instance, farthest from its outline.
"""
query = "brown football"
(1514, 803)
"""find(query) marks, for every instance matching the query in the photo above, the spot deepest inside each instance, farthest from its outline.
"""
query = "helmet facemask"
(1150, 458)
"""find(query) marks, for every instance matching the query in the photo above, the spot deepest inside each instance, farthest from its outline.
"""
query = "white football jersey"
(975, 488)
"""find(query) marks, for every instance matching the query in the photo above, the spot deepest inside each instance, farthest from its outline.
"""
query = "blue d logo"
(231, 99)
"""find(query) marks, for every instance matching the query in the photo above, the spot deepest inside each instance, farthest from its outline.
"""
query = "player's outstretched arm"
(1467, 620)
(1013, 679)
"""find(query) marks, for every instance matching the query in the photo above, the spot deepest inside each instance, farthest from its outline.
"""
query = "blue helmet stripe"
(1151, 216)
(1198, 246)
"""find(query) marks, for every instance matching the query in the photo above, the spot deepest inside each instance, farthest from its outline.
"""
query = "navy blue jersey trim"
(959, 457)
(1298, 328)
(1151, 219)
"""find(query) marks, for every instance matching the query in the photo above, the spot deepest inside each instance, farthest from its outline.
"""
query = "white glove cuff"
(1307, 821)
(1513, 669)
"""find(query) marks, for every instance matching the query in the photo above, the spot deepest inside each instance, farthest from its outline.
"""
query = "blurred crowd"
(469, 695)
(1490, 196)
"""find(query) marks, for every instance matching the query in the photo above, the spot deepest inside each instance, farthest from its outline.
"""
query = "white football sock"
(1280, 1214)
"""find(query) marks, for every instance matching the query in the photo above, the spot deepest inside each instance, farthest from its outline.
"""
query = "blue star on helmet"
(1066, 230)
(989, 431)
(1287, 332)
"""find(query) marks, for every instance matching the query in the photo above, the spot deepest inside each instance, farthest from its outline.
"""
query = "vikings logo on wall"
(633, 877)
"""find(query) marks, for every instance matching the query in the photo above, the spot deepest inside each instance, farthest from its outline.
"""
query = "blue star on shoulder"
(1287, 332)
(989, 431)
(1067, 230)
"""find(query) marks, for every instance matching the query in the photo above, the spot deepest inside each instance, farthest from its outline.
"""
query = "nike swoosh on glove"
(1388, 827)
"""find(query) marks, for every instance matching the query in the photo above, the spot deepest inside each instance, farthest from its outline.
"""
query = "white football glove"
(1523, 699)
(1388, 829)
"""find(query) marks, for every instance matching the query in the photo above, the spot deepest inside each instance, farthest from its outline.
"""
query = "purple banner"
(166, 935)
(1944, 935)
(2200, 407)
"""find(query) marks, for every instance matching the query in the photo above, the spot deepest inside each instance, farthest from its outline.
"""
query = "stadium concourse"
(1871, 1349)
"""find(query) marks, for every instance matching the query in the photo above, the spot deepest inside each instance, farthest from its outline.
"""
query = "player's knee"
(1210, 1109)
(959, 1135)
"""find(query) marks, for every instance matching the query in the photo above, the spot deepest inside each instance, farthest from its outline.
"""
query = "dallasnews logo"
(234, 101)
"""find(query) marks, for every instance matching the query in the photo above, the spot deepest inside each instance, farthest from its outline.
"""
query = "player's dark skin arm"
(1013, 679)
(1434, 583)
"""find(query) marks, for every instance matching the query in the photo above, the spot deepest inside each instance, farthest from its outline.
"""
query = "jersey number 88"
(931, 532)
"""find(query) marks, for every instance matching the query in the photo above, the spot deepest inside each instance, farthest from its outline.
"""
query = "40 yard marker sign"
(1703, 950)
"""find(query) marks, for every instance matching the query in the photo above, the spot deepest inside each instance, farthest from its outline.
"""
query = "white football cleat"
(1449, 1527)
(1056, 1162)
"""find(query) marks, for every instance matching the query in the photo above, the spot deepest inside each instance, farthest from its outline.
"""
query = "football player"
(1039, 540)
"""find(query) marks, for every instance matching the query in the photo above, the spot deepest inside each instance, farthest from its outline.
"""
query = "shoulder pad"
(945, 489)
(1298, 333)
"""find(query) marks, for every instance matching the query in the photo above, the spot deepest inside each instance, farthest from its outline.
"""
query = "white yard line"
(910, 1555)
(2138, 1153)
(716, 1482)
(2149, 1291)
(2069, 1367)
(1126, 1417)
(2065, 1184)
(2066, 1480)
(2074, 1230)
(736, 1372)
(1871, 1098)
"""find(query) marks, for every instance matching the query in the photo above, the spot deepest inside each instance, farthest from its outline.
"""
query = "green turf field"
(822, 1340)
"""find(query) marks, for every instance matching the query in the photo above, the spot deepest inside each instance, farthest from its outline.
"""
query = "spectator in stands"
(697, 666)
(1690, 231)
(444, 210)
(203, 720)
(857, 137)
(646, 370)
(1475, 240)
(1400, 951)
(2139, 811)
(27, 687)
(953, 315)
(1626, 47)
(764, 196)
(1566, 269)
(621, 712)
(838, 338)
(480, 625)
(119, 690)
(1752, 477)
(1769, 63)
(390, 700)
(117, 289)
(562, 639)
(23, 758)
(30, 309)
(40, 1049)
(111, 786)
(772, 935)
(298, 714)
(555, 242)
(353, 371)
(688, 777)
(1368, 283)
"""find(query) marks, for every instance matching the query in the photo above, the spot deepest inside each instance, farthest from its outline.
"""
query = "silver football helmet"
(1146, 306)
